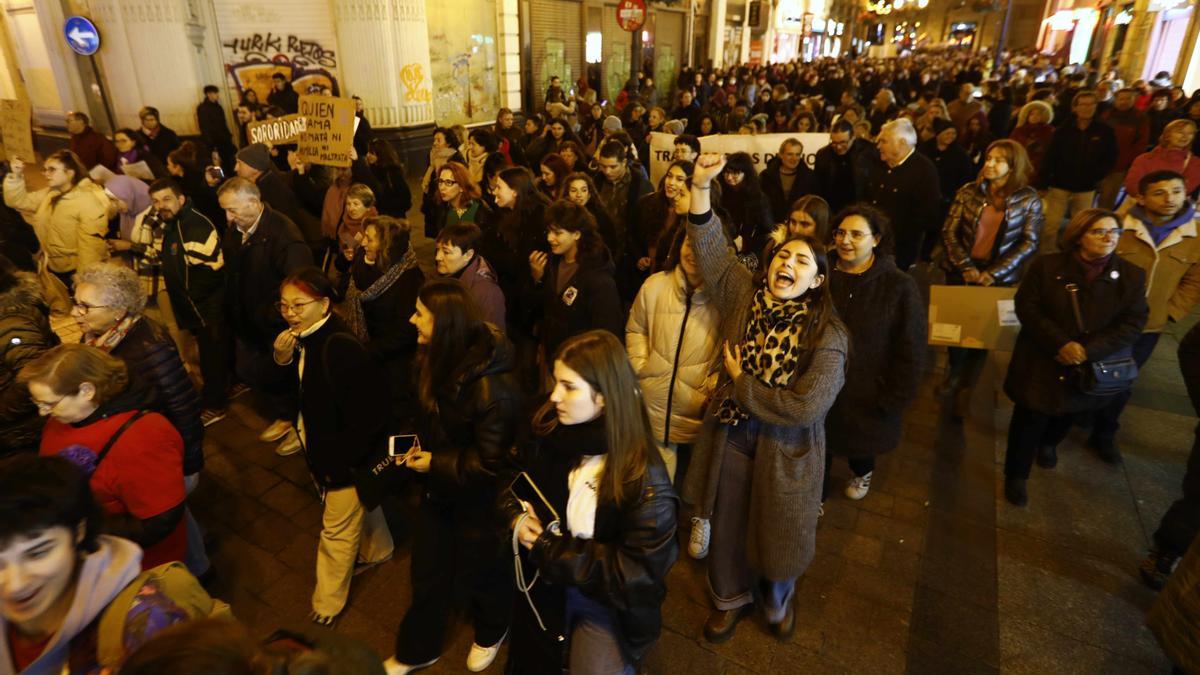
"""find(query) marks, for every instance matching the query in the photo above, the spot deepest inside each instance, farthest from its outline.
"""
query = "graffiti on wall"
(412, 76)
(465, 88)
(252, 60)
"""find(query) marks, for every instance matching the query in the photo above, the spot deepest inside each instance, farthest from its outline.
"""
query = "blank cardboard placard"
(328, 135)
(970, 316)
(16, 129)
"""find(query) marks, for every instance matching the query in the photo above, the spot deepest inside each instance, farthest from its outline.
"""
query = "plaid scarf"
(770, 347)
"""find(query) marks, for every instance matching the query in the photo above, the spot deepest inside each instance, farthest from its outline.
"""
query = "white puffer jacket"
(652, 337)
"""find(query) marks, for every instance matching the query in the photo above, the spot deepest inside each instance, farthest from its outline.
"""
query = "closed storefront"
(670, 47)
(615, 66)
(556, 43)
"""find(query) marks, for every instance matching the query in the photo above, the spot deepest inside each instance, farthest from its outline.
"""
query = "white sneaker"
(858, 487)
(698, 543)
(276, 431)
(394, 667)
(290, 444)
(481, 657)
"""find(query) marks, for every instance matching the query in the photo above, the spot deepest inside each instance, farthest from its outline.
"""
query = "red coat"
(142, 475)
(94, 148)
(1160, 158)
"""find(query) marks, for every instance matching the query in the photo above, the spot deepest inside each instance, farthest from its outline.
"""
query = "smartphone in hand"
(403, 446)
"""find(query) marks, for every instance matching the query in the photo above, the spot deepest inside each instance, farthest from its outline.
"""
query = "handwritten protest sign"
(762, 148)
(278, 130)
(16, 131)
(329, 130)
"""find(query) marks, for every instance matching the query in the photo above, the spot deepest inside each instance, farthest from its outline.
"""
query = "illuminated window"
(594, 48)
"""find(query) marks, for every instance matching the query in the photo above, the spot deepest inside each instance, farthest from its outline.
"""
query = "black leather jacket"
(624, 567)
(1016, 242)
(25, 334)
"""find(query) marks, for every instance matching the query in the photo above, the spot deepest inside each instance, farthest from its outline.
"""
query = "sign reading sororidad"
(277, 130)
(328, 133)
(631, 15)
(761, 148)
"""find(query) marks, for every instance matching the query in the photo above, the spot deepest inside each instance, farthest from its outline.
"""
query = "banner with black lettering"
(762, 148)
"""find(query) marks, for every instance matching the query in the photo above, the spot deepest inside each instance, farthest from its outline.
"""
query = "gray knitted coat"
(789, 462)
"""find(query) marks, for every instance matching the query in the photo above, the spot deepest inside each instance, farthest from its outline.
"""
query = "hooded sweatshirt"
(102, 576)
(135, 194)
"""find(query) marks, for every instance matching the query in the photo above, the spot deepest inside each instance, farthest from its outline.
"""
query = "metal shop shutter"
(556, 28)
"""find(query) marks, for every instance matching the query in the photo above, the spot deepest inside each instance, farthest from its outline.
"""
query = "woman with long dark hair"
(602, 568)
(343, 397)
(756, 473)
(989, 236)
(573, 283)
(553, 169)
(579, 187)
(469, 402)
(518, 228)
(743, 199)
(395, 197)
(659, 218)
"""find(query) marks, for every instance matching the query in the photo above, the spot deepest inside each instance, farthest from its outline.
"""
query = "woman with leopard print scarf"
(757, 470)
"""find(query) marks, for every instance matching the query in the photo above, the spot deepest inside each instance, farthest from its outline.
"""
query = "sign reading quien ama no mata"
(328, 134)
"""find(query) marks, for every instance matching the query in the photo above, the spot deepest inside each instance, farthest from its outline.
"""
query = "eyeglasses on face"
(1105, 233)
(854, 235)
(286, 308)
(48, 406)
(85, 308)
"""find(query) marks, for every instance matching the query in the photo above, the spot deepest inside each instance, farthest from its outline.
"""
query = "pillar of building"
(1133, 52)
(384, 57)
(152, 54)
(508, 47)
(716, 32)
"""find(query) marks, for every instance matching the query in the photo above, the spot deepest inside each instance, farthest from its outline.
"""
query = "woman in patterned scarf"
(755, 479)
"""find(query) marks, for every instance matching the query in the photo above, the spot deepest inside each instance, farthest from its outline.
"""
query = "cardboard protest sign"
(761, 148)
(975, 317)
(16, 129)
(278, 130)
(328, 134)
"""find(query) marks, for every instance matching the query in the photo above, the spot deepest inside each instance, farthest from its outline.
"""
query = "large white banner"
(761, 148)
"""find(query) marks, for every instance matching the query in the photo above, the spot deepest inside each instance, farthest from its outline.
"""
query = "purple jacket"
(480, 282)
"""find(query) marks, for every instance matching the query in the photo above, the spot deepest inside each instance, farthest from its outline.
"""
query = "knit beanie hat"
(612, 123)
(674, 127)
(256, 156)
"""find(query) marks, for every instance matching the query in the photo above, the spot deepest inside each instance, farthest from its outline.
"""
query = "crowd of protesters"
(595, 357)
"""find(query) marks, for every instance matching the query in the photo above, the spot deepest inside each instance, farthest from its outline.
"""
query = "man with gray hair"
(904, 185)
(262, 247)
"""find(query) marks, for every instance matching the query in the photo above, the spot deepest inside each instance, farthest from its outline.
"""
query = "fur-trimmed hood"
(24, 296)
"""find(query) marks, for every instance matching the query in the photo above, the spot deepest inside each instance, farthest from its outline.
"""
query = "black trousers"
(861, 466)
(213, 343)
(1106, 421)
(1181, 523)
(443, 562)
(1028, 431)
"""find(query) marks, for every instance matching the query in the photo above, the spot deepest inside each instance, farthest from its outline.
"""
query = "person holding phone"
(602, 567)
(343, 414)
(468, 401)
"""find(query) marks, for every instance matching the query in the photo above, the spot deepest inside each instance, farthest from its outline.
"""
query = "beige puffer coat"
(70, 230)
(652, 338)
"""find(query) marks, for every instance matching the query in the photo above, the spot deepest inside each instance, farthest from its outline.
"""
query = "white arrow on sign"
(80, 37)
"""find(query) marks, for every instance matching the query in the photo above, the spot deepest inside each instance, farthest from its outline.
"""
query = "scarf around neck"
(355, 297)
(770, 347)
(109, 339)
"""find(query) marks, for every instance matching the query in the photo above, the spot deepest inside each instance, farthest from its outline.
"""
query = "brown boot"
(723, 622)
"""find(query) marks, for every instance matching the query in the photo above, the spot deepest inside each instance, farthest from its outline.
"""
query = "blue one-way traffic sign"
(82, 36)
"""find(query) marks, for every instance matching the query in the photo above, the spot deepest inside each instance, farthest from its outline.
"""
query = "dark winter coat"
(279, 196)
(772, 187)
(509, 237)
(163, 143)
(214, 129)
(954, 168)
(191, 248)
(885, 314)
(149, 352)
(25, 334)
(254, 271)
(480, 281)
(624, 567)
(588, 301)
(1114, 312)
(910, 196)
(1077, 160)
(343, 397)
(1016, 242)
(471, 435)
(391, 339)
(394, 197)
(831, 185)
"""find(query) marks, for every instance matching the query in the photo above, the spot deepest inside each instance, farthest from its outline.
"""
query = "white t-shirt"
(583, 483)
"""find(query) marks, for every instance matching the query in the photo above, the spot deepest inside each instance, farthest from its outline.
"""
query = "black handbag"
(1108, 376)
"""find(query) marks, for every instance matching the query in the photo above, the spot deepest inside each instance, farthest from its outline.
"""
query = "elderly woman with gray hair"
(108, 310)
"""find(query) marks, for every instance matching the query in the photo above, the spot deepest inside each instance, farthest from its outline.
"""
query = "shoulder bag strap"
(113, 439)
(1073, 292)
